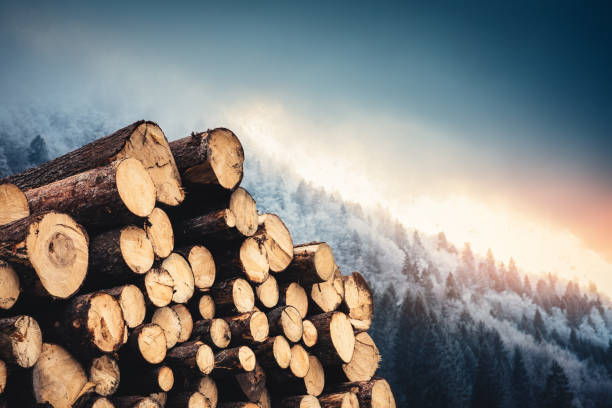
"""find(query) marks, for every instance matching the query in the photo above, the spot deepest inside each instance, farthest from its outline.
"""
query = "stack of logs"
(137, 273)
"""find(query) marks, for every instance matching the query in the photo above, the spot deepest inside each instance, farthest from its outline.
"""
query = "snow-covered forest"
(455, 328)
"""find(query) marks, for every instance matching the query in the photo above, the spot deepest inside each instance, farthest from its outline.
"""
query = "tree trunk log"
(158, 286)
(3, 376)
(234, 361)
(194, 356)
(202, 265)
(181, 274)
(202, 307)
(248, 328)
(339, 400)
(215, 332)
(300, 401)
(13, 204)
(20, 341)
(286, 321)
(105, 374)
(375, 393)
(336, 340)
(310, 335)
(326, 296)
(9, 286)
(273, 354)
(136, 401)
(146, 380)
(363, 364)
(312, 263)
(132, 303)
(149, 343)
(166, 318)
(160, 233)
(277, 241)
(267, 293)
(293, 294)
(187, 399)
(248, 260)
(234, 296)
(186, 322)
(358, 301)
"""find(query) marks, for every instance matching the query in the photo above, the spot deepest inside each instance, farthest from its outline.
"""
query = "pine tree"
(486, 390)
(557, 393)
(539, 326)
(451, 290)
(521, 393)
(513, 280)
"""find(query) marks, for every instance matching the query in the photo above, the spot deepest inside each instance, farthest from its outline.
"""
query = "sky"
(491, 121)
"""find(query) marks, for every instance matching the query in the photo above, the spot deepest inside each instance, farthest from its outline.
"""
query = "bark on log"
(54, 246)
(312, 263)
(267, 293)
(339, 400)
(286, 321)
(9, 286)
(105, 374)
(146, 380)
(186, 322)
(181, 274)
(194, 356)
(116, 194)
(248, 328)
(57, 378)
(293, 294)
(3, 376)
(358, 301)
(251, 384)
(215, 332)
(142, 140)
(310, 335)
(187, 399)
(363, 364)
(169, 321)
(20, 341)
(234, 361)
(265, 401)
(234, 296)
(326, 296)
(274, 353)
(132, 303)
(13, 204)
(158, 286)
(211, 157)
(202, 265)
(336, 340)
(160, 233)
(135, 401)
(249, 260)
(207, 387)
(277, 241)
(300, 401)
(203, 307)
(149, 343)
(375, 393)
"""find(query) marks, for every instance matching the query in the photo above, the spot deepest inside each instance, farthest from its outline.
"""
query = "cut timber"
(202, 265)
(149, 341)
(274, 353)
(160, 233)
(277, 241)
(136, 401)
(9, 286)
(187, 399)
(265, 401)
(169, 321)
(300, 401)
(233, 296)
(339, 400)
(250, 261)
(310, 336)
(234, 360)
(54, 245)
(312, 263)
(13, 204)
(251, 384)
(3, 376)
(267, 292)
(90, 400)
(365, 359)
(211, 157)
(286, 320)
(117, 254)
(132, 303)
(146, 380)
(299, 363)
(57, 378)
(237, 221)
(293, 294)
(314, 381)
(159, 287)
(336, 340)
(20, 341)
(207, 387)
(194, 356)
(204, 307)
(186, 322)
(215, 332)
(181, 274)
(104, 373)
(327, 296)
(358, 301)
(371, 394)
(94, 321)
(142, 140)
(237, 404)
(249, 328)
(160, 397)
(116, 194)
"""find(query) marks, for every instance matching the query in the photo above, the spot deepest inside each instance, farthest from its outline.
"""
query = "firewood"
(3, 376)
(267, 293)
(202, 265)
(358, 301)
(142, 140)
(250, 385)
(299, 363)
(202, 307)
(53, 246)
(277, 241)
(188, 399)
(20, 341)
(229, 224)
(310, 334)
(105, 374)
(312, 263)
(57, 378)
(234, 361)
(207, 387)
(169, 321)
(132, 303)
(238, 404)
(314, 380)
(286, 320)
(149, 343)
(160, 397)
(211, 157)
(120, 253)
(248, 328)
(274, 353)
(160, 233)
(363, 364)
(264, 400)
(119, 193)
(339, 400)
(375, 393)
(249, 260)
(215, 332)
(194, 356)
(93, 322)
(336, 340)
(136, 401)
(293, 294)
(93, 401)
(181, 274)
(326, 296)
(186, 322)
(9, 286)
(158, 286)
(233, 296)
(146, 380)
(13, 204)
(300, 401)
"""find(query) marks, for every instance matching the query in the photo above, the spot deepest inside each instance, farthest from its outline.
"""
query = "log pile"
(137, 273)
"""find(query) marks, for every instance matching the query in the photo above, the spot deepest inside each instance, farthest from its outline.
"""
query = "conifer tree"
(557, 393)
(521, 393)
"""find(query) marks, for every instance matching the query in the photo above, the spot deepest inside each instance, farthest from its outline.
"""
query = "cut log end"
(160, 233)
(159, 287)
(220, 333)
(242, 206)
(299, 363)
(309, 336)
(203, 267)
(132, 304)
(9, 286)
(207, 387)
(3, 376)
(13, 204)
(258, 325)
(205, 359)
(295, 295)
(151, 342)
(136, 249)
(206, 307)
(358, 301)
(247, 358)
(268, 293)
(291, 322)
(20, 340)
(165, 378)
(254, 260)
(104, 373)
(135, 187)
(339, 400)
(169, 321)
(300, 401)
(186, 322)
(244, 298)
(282, 352)
(382, 397)
(342, 336)
(324, 262)
(181, 274)
(365, 359)
(57, 247)
(314, 381)
(104, 322)
(226, 157)
(277, 241)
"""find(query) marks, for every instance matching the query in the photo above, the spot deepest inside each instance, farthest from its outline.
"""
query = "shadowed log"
(312, 263)
(286, 320)
(9, 286)
(136, 401)
(215, 332)
(300, 401)
(194, 356)
(249, 260)
(149, 343)
(105, 374)
(375, 393)
(132, 303)
(234, 296)
(274, 353)
(146, 380)
(169, 321)
(339, 400)
(187, 399)
(234, 361)
(336, 340)
(293, 294)
(248, 328)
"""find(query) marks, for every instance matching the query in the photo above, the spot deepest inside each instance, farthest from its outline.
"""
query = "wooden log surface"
(300, 401)
(194, 356)
(336, 340)
(215, 332)
(293, 294)
(267, 293)
(277, 241)
(312, 263)
(10, 288)
(286, 321)
(160, 233)
(13, 203)
(20, 341)
(358, 302)
(202, 265)
(248, 328)
(148, 343)
(234, 296)
(105, 373)
(132, 303)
